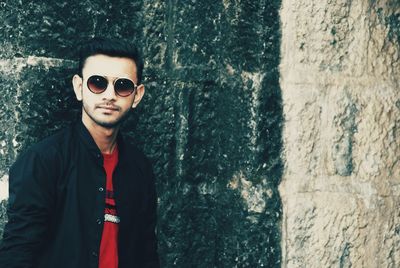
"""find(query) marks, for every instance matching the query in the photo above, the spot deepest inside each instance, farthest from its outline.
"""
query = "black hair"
(112, 48)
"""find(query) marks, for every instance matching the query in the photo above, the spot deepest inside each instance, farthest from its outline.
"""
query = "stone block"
(339, 189)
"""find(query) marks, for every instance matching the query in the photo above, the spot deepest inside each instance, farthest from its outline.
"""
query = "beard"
(106, 124)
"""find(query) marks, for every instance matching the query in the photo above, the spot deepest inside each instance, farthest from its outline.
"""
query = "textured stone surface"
(51, 29)
(340, 86)
(212, 116)
(210, 121)
(220, 206)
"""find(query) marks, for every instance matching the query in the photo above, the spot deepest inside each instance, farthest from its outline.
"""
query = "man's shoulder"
(136, 155)
(50, 146)
(133, 150)
(45, 155)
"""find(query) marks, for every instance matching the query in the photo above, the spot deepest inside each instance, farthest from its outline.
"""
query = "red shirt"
(108, 257)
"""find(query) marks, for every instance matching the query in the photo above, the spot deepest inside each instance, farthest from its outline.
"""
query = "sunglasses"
(122, 86)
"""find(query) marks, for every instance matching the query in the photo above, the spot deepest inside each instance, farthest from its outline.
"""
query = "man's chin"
(106, 121)
(111, 123)
(108, 124)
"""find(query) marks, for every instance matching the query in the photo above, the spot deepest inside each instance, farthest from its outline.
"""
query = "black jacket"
(56, 205)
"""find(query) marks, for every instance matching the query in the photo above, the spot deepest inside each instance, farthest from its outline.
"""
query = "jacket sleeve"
(151, 259)
(29, 206)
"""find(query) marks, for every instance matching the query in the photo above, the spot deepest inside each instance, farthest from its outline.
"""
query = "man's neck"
(105, 138)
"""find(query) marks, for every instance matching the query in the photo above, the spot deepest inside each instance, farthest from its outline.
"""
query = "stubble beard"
(105, 124)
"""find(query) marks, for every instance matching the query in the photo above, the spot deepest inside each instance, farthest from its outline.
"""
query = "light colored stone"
(4, 188)
(340, 88)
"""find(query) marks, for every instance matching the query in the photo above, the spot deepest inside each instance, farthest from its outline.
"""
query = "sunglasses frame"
(115, 79)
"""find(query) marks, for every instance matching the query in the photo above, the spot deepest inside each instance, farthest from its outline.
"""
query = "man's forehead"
(110, 66)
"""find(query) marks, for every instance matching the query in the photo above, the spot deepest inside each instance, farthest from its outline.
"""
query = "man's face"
(106, 109)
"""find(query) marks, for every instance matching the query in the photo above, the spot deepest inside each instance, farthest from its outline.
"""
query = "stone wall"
(242, 98)
(211, 119)
(340, 190)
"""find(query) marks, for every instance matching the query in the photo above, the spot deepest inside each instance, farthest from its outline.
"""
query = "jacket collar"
(91, 145)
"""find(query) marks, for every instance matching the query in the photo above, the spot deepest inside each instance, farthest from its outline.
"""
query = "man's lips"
(108, 107)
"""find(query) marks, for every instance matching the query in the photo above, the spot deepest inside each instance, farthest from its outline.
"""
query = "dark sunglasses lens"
(97, 84)
(124, 87)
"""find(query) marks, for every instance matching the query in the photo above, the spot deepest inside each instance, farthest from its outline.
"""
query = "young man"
(85, 197)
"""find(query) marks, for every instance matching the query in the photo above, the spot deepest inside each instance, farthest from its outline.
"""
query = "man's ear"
(77, 83)
(138, 95)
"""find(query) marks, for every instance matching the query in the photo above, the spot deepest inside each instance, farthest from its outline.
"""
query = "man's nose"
(110, 92)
